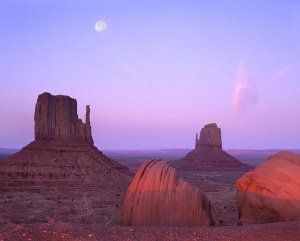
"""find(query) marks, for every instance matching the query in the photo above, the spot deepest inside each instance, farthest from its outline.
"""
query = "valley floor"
(285, 231)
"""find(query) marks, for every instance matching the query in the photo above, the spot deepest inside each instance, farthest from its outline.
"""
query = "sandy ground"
(55, 231)
(103, 206)
(51, 216)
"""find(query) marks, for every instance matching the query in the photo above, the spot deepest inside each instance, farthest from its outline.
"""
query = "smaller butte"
(208, 154)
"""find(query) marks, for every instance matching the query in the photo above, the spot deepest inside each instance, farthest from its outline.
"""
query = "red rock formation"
(271, 193)
(56, 119)
(63, 155)
(157, 196)
(208, 154)
(210, 136)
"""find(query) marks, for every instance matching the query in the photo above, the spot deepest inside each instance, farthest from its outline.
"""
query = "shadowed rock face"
(56, 119)
(271, 193)
(157, 196)
(208, 154)
(210, 136)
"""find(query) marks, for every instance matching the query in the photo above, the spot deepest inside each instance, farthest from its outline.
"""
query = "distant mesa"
(271, 193)
(158, 196)
(63, 156)
(208, 154)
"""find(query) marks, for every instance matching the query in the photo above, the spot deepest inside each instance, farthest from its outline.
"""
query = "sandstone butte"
(62, 156)
(158, 196)
(208, 154)
(271, 192)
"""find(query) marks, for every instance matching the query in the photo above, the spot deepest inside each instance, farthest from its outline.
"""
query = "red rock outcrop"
(56, 119)
(63, 154)
(157, 196)
(271, 193)
(208, 154)
(210, 136)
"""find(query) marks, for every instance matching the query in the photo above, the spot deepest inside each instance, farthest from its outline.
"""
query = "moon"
(100, 26)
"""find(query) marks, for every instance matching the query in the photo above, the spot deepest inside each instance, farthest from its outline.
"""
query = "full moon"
(100, 26)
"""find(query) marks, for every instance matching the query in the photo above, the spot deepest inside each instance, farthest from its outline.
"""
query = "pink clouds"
(244, 92)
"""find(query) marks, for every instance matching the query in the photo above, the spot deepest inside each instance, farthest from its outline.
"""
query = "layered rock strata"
(63, 155)
(271, 193)
(157, 196)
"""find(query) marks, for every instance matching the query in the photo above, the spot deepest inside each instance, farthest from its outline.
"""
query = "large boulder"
(158, 196)
(271, 193)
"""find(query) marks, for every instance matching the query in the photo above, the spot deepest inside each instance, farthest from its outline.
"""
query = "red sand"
(287, 231)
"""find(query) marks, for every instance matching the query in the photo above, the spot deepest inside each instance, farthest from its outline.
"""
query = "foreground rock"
(61, 169)
(208, 154)
(157, 196)
(271, 193)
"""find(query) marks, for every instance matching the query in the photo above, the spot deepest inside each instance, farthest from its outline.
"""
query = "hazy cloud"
(281, 73)
(244, 92)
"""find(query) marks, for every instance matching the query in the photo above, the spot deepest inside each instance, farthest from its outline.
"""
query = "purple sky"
(159, 73)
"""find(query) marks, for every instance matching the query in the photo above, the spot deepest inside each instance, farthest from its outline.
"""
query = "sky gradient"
(159, 73)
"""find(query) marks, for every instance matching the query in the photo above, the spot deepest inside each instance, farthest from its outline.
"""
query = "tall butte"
(56, 119)
(208, 154)
(62, 159)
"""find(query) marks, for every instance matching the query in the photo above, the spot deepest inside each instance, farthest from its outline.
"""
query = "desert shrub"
(84, 212)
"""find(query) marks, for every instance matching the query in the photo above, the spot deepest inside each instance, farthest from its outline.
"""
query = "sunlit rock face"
(271, 193)
(208, 154)
(158, 196)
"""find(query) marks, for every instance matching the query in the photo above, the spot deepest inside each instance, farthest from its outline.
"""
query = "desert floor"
(286, 231)
(65, 216)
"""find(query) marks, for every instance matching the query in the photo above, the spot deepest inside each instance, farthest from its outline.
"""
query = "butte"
(208, 154)
(214, 172)
(61, 175)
